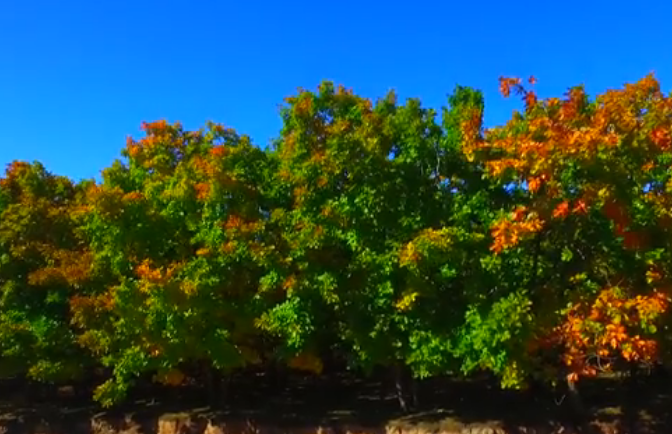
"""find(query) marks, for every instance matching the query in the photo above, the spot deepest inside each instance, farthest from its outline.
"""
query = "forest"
(371, 235)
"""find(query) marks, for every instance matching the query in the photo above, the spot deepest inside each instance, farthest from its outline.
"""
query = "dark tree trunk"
(277, 376)
(575, 401)
(405, 387)
(399, 387)
(216, 385)
(211, 384)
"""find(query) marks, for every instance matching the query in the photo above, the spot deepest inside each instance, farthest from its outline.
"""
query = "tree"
(590, 226)
(43, 261)
(180, 231)
(378, 234)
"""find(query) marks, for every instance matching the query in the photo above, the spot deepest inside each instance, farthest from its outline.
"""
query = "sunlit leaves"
(584, 171)
(371, 231)
(179, 230)
(43, 259)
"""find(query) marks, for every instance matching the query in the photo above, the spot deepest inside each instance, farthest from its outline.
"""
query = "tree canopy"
(381, 234)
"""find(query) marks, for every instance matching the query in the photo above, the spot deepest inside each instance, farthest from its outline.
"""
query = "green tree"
(180, 230)
(43, 261)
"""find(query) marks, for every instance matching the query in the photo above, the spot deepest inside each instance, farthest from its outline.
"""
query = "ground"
(342, 404)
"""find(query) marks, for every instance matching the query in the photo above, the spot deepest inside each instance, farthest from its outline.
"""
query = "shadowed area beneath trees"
(342, 403)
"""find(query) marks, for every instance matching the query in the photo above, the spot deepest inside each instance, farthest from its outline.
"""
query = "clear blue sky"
(77, 77)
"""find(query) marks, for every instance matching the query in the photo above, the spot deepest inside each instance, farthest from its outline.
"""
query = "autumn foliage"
(377, 234)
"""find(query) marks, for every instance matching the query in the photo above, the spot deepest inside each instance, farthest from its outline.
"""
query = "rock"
(183, 424)
(65, 391)
(173, 424)
(213, 429)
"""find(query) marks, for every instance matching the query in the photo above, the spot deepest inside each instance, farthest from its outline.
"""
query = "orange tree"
(43, 262)
(179, 230)
(590, 226)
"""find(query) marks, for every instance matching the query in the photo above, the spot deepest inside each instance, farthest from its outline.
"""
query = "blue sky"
(77, 77)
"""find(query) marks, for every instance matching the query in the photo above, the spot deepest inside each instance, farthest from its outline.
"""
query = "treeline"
(376, 235)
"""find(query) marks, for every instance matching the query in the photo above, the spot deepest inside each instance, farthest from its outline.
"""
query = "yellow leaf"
(406, 301)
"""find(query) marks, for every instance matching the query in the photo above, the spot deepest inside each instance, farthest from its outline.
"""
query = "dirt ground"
(341, 405)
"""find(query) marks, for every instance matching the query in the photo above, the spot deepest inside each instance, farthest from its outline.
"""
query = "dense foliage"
(379, 235)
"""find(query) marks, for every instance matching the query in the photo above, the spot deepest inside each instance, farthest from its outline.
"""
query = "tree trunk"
(211, 384)
(575, 398)
(216, 386)
(414, 391)
(277, 376)
(399, 386)
(634, 376)
(224, 387)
